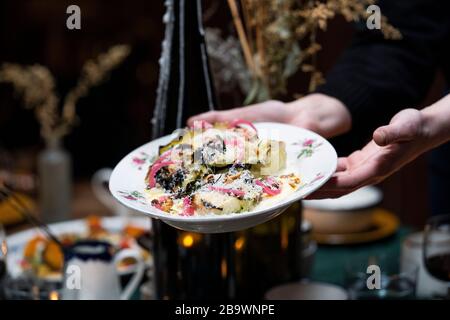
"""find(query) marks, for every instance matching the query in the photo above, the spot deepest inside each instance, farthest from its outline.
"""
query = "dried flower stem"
(37, 87)
(241, 34)
(275, 30)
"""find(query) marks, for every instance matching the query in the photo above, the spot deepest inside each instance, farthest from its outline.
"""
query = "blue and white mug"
(90, 272)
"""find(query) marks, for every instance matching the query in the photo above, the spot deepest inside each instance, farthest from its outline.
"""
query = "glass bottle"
(211, 266)
(187, 265)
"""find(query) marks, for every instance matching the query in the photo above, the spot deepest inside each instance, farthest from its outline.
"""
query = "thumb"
(405, 126)
(390, 134)
(385, 135)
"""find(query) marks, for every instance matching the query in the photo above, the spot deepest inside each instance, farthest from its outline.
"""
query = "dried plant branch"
(93, 73)
(280, 36)
(37, 87)
(227, 63)
(241, 34)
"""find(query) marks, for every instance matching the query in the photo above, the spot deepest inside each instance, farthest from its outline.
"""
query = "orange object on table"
(8, 212)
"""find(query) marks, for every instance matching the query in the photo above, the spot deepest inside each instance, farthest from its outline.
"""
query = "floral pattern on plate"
(308, 145)
(141, 160)
(133, 196)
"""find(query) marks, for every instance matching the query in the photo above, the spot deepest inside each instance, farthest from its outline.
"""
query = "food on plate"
(45, 258)
(219, 169)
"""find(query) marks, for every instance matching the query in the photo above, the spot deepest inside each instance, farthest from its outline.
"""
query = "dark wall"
(115, 116)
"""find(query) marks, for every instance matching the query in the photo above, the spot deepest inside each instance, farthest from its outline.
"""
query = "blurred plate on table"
(119, 231)
(384, 224)
(307, 291)
(350, 213)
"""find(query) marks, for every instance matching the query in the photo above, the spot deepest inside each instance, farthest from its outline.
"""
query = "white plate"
(17, 241)
(363, 198)
(308, 153)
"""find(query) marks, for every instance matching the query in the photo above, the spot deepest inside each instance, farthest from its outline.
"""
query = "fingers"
(211, 116)
(225, 116)
(379, 158)
(347, 180)
(331, 189)
(218, 116)
(341, 164)
(328, 190)
(334, 188)
(267, 111)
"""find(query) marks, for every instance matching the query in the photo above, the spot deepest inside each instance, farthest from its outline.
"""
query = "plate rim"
(388, 228)
(323, 205)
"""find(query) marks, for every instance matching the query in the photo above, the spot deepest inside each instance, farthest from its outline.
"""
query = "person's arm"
(375, 78)
(410, 134)
(317, 112)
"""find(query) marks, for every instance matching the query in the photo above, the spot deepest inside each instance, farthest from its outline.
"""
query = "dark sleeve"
(375, 78)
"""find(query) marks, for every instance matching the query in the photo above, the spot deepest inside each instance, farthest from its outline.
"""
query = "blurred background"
(113, 62)
(115, 115)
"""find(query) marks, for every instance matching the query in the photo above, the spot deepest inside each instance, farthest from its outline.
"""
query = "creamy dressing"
(269, 201)
(256, 167)
(265, 202)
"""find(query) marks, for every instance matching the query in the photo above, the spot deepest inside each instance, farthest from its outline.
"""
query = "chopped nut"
(231, 178)
(167, 204)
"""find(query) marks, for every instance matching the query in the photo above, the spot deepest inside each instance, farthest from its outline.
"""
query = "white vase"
(55, 182)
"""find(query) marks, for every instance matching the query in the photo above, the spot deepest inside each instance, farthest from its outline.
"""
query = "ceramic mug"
(90, 272)
(99, 184)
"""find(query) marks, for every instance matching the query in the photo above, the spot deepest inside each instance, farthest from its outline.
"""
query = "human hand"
(409, 134)
(317, 112)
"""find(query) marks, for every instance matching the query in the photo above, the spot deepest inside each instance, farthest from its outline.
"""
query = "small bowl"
(347, 214)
